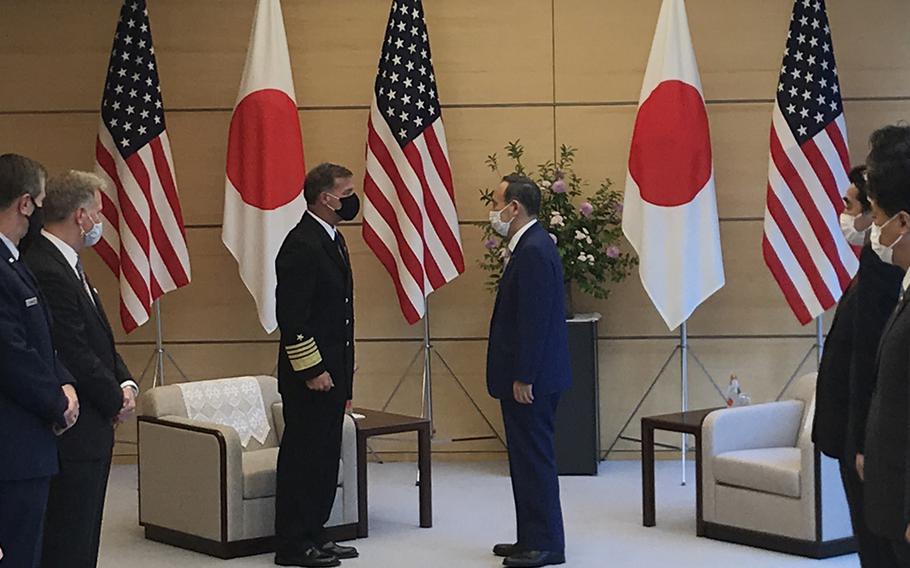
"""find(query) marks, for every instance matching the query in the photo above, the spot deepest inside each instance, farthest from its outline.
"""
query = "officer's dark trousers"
(307, 477)
(22, 506)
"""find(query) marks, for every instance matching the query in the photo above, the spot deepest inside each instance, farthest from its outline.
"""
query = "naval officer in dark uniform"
(315, 308)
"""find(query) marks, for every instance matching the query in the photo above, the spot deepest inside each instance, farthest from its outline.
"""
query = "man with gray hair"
(85, 342)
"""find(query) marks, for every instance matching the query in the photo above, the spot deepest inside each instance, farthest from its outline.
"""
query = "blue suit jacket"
(31, 400)
(528, 332)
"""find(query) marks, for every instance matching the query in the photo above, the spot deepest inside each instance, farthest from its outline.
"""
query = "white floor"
(473, 510)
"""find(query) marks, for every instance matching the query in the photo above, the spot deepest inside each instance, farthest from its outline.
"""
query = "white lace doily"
(235, 402)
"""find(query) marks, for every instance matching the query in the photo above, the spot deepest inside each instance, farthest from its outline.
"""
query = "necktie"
(84, 281)
(339, 242)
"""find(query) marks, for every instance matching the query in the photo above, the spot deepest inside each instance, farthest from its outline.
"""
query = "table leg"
(363, 522)
(426, 481)
(647, 473)
(699, 521)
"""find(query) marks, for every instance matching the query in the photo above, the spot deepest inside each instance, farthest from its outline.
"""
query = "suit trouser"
(532, 464)
(307, 477)
(892, 553)
(870, 553)
(75, 508)
(22, 505)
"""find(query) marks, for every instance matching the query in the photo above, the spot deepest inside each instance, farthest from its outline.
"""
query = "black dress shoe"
(338, 551)
(506, 550)
(312, 557)
(534, 558)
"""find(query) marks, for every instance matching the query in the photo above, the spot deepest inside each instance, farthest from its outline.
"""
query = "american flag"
(803, 245)
(144, 243)
(410, 221)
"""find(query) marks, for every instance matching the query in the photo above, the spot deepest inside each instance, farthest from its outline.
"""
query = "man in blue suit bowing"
(37, 398)
(527, 370)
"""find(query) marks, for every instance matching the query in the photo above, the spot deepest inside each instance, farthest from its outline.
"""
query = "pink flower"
(491, 244)
(613, 251)
(586, 209)
(555, 240)
(559, 186)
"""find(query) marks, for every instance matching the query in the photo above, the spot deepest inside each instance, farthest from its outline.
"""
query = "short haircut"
(322, 178)
(523, 190)
(68, 192)
(888, 173)
(858, 178)
(19, 175)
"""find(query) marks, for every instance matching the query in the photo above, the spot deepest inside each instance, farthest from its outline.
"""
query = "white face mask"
(886, 253)
(500, 226)
(91, 237)
(847, 226)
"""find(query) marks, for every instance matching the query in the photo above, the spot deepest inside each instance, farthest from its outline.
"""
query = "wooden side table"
(376, 423)
(684, 423)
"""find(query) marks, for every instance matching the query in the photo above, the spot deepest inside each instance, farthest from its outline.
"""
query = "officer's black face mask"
(350, 207)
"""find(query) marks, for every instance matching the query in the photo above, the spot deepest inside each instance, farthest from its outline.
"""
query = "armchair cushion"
(769, 470)
(259, 473)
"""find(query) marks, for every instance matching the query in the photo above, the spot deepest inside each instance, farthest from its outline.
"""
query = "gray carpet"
(473, 510)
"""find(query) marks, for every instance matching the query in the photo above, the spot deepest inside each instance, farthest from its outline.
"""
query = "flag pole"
(684, 387)
(427, 398)
(159, 347)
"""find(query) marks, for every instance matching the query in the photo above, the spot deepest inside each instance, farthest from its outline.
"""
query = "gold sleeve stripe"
(295, 356)
(308, 343)
(301, 350)
(301, 364)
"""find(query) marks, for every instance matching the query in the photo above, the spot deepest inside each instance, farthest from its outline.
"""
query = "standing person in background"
(37, 398)
(884, 468)
(85, 342)
(846, 376)
(527, 370)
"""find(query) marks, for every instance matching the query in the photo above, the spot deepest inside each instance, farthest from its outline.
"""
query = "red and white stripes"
(803, 245)
(144, 243)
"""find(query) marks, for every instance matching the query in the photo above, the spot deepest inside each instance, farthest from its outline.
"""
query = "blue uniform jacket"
(31, 400)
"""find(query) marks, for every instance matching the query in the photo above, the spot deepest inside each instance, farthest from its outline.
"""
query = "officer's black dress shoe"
(534, 558)
(506, 550)
(340, 552)
(312, 557)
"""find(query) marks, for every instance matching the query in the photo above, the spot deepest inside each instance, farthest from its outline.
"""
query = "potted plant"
(587, 231)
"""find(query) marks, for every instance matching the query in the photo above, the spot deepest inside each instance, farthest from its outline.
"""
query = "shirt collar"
(13, 249)
(907, 281)
(328, 228)
(71, 256)
(513, 242)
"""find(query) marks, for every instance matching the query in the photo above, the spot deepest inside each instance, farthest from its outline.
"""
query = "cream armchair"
(765, 484)
(200, 489)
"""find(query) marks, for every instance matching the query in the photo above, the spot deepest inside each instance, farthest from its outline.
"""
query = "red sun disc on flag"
(671, 147)
(265, 150)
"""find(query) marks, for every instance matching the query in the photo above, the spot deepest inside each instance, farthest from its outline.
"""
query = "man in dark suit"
(37, 398)
(315, 309)
(85, 343)
(527, 369)
(846, 376)
(885, 469)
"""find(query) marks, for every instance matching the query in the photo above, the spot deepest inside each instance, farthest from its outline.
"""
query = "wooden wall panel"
(602, 47)
(542, 71)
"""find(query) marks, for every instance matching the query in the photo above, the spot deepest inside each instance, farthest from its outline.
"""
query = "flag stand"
(684, 353)
(816, 348)
(426, 404)
(160, 353)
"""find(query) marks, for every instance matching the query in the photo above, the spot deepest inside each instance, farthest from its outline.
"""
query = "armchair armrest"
(190, 477)
(770, 425)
